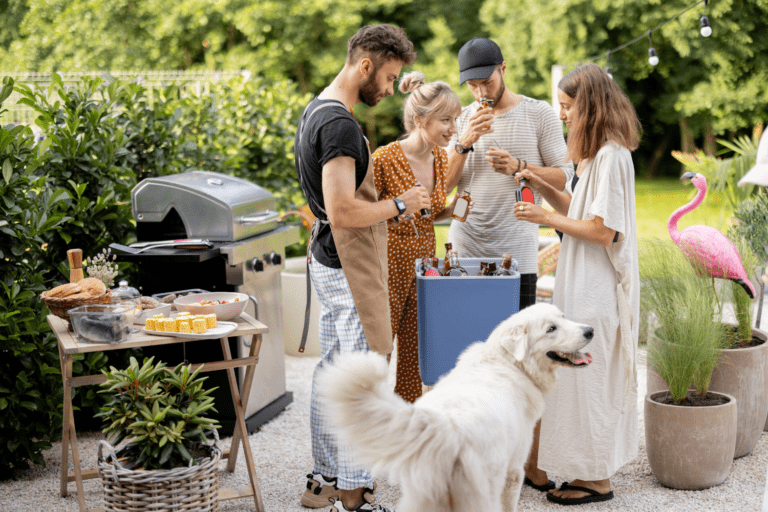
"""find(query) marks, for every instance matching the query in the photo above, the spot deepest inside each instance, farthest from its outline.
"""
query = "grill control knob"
(256, 265)
(273, 258)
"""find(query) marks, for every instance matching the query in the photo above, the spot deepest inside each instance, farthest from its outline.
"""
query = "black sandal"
(542, 488)
(593, 497)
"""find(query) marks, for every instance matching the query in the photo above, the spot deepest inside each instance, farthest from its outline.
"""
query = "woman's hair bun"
(411, 81)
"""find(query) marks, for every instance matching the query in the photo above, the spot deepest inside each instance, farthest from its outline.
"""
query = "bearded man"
(347, 253)
(499, 135)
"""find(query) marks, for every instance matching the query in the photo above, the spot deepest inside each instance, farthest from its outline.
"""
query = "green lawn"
(655, 200)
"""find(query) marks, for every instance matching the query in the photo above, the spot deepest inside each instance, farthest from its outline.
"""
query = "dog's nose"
(589, 332)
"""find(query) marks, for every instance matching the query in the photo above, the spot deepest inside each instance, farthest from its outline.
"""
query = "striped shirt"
(530, 132)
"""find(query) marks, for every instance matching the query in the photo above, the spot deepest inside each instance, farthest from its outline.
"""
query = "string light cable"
(653, 58)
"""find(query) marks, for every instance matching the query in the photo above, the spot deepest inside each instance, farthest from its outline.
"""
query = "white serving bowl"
(140, 318)
(235, 304)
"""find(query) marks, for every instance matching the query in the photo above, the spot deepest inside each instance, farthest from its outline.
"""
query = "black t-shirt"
(322, 136)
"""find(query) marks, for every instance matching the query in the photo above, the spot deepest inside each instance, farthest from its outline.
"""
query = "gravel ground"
(282, 452)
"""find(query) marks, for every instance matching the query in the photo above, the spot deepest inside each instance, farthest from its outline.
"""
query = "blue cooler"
(454, 312)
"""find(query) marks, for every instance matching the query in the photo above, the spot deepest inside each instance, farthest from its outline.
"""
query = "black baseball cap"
(478, 58)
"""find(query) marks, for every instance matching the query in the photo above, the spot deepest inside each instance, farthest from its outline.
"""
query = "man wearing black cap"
(494, 142)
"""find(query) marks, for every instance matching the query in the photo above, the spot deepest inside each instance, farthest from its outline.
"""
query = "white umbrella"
(758, 174)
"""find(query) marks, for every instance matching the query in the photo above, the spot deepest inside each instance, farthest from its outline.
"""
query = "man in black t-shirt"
(348, 244)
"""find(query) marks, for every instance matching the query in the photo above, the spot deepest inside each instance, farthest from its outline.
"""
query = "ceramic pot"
(743, 374)
(690, 448)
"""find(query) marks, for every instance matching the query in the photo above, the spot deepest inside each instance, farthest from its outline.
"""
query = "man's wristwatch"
(400, 205)
(462, 150)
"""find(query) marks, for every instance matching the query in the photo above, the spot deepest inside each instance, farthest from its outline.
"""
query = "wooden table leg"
(66, 374)
(240, 425)
(69, 435)
(247, 381)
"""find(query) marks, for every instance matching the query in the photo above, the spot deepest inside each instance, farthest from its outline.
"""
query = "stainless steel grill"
(247, 256)
(210, 205)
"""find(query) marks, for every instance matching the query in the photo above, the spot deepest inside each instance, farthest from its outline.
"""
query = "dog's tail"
(387, 434)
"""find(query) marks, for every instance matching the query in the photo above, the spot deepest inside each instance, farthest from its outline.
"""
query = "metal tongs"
(188, 243)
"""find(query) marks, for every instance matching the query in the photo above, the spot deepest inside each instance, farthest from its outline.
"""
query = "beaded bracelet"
(518, 166)
(525, 165)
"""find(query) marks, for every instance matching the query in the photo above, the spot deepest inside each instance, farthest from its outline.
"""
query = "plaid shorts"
(340, 332)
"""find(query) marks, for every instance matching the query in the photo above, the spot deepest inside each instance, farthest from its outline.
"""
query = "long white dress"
(590, 426)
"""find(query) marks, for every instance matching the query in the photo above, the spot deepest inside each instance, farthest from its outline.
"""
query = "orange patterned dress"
(393, 176)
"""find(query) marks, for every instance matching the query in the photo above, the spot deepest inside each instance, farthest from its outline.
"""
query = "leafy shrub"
(30, 384)
(159, 411)
(71, 188)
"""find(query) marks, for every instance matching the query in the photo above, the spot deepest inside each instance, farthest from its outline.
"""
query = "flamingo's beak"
(688, 176)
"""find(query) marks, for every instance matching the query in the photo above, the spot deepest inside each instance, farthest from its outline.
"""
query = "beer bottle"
(427, 268)
(461, 208)
(455, 269)
(446, 262)
(483, 269)
(492, 269)
(506, 266)
(524, 194)
(435, 265)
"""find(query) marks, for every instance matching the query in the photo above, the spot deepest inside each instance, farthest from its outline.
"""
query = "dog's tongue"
(577, 358)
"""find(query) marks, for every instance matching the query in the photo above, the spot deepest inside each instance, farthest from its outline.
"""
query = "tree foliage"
(710, 86)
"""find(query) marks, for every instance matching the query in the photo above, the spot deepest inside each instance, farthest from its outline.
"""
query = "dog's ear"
(515, 341)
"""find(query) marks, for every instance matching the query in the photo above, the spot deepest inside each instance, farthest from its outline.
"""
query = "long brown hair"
(603, 113)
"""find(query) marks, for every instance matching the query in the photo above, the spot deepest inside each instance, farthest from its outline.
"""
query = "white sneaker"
(367, 505)
(320, 491)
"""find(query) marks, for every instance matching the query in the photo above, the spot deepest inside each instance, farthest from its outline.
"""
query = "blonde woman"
(429, 117)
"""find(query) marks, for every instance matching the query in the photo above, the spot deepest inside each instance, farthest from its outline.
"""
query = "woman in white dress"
(589, 428)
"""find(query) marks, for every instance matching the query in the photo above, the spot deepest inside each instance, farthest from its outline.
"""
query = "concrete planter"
(690, 448)
(294, 284)
(743, 374)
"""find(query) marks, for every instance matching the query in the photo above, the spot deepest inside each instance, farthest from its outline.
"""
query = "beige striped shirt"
(530, 132)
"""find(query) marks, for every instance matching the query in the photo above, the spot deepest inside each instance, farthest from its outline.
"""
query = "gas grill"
(246, 255)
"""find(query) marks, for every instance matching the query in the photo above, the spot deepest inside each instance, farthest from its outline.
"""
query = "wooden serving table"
(68, 345)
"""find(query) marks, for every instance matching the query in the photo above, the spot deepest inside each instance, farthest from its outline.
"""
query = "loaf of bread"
(65, 290)
(92, 286)
(149, 302)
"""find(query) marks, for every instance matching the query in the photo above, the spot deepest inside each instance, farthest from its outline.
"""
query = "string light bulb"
(608, 64)
(706, 30)
(653, 59)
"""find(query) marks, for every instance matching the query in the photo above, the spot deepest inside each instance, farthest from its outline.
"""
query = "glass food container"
(125, 294)
(102, 323)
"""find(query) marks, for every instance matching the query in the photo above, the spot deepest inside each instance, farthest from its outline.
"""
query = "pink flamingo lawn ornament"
(707, 248)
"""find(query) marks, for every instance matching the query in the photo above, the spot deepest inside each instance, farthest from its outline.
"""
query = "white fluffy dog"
(461, 447)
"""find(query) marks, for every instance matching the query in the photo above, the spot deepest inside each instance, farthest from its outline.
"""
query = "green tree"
(709, 85)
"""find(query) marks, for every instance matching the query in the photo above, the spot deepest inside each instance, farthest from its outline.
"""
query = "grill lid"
(211, 205)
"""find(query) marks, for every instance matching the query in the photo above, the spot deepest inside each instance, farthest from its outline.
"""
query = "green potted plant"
(690, 433)
(166, 458)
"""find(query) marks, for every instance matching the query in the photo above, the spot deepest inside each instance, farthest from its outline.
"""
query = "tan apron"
(363, 255)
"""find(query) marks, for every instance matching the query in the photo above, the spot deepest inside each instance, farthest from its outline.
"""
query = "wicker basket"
(59, 306)
(185, 488)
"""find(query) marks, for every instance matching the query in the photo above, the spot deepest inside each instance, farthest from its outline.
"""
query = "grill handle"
(260, 218)
(255, 315)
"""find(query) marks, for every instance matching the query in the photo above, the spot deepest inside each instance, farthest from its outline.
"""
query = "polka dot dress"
(393, 176)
